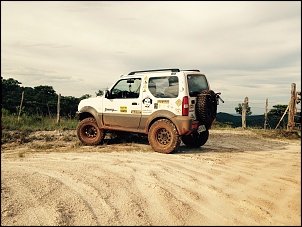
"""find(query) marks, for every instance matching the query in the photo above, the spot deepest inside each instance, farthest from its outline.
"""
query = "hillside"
(251, 121)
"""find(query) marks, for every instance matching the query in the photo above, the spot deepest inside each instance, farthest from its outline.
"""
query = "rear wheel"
(195, 139)
(163, 136)
(89, 133)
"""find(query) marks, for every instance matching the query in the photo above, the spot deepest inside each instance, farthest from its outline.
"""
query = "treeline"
(38, 101)
(43, 100)
(252, 120)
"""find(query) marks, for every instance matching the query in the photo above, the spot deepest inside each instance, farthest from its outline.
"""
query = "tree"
(239, 109)
(40, 100)
(86, 96)
(69, 106)
(11, 94)
(277, 112)
(46, 100)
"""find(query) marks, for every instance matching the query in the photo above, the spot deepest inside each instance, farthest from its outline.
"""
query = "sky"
(246, 49)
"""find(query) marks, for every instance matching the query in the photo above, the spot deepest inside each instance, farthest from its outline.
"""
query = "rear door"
(196, 84)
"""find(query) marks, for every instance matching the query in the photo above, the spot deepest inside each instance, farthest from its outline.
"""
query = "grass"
(277, 133)
(36, 123)
(19, 131)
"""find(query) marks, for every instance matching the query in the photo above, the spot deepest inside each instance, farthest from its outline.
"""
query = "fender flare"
(88, 111)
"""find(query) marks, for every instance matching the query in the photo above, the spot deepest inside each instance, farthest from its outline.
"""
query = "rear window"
(196, 84)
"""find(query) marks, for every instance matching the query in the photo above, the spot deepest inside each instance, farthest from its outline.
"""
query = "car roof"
(158, 72)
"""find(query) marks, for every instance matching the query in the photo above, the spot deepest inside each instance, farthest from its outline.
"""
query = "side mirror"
(107, 94)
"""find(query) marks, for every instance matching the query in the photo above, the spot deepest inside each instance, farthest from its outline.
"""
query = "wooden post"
(244, 107)
(58, 109)
(21, 105)
(282, 116)
(292, 107)
(265, 114)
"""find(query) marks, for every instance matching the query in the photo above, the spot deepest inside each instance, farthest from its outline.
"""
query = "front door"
(122, 108)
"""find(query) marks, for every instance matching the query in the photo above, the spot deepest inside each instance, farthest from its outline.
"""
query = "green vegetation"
(39, 111)
(37, 101)
(35, 123)
(239, 109)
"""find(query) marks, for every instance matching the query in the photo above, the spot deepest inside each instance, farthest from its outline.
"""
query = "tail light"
(185, 106)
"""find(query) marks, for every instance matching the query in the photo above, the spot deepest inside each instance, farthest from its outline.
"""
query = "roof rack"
(154, 70)
(195, 70)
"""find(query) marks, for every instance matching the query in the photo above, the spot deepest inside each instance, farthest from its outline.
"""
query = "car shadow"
(112, 138)
(119, 138)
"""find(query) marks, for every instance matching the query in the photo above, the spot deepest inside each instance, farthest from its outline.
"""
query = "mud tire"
(195, 139)
(89, 133)
(163, 136)
(206, 107)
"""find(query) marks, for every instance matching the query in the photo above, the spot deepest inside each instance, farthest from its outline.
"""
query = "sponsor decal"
(136, 111)
(163, 101)
(147, 111)
(178, 102)
(145, 84)
(147, 102)
(110, 109)
(163, 104)
(123, 109)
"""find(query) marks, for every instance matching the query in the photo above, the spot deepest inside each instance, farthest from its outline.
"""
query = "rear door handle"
(134, 103)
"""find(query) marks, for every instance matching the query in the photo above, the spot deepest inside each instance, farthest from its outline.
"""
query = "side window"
(164, 87)
(126, 88)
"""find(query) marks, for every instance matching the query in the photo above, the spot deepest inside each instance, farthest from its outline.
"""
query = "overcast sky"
(246, 49)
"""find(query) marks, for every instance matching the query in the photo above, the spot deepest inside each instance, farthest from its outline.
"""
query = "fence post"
(58, 109)
(20, 106)
(265, 114)
(292, 107)
(244, 107)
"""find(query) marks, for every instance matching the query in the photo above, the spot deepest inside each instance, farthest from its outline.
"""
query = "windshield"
(196, 84)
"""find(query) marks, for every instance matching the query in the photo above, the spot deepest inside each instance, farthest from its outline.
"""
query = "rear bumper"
(184, 124)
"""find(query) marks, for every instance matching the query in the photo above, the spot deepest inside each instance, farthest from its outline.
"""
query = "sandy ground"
(236, 178)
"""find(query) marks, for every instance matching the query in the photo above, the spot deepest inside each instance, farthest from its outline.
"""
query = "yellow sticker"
(136, 111)
(163, 101)
(178, 102)
(123, 109)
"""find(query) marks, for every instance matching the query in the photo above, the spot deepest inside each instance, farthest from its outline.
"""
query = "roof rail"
(195, 70)
(154, 70)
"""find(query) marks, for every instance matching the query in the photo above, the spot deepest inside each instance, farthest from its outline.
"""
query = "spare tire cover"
(206, 107)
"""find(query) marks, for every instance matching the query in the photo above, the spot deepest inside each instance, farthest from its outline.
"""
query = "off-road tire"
(206, 107)
(89, 133)
(195, 139)
(163, 136)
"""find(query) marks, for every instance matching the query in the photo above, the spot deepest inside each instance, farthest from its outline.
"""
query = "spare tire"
(206, 107)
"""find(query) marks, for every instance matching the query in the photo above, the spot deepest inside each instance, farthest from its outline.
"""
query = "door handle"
(134, 103)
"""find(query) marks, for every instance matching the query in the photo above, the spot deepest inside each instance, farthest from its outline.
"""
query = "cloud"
(245, 48)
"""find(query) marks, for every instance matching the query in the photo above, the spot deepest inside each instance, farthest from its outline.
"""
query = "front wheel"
(195, 139)
(89, 133)
(163, 136)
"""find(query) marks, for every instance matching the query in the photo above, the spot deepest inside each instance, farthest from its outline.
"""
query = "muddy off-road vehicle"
(169, 105)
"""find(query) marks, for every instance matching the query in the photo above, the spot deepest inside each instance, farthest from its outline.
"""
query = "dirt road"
(236, 178)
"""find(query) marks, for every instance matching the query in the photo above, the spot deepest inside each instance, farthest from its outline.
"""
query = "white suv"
(169, 105)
